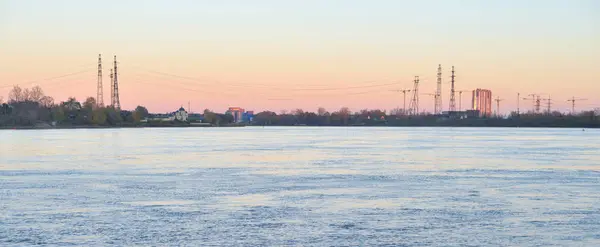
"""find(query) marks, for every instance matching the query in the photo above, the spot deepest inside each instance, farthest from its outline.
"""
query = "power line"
(50, 78)
(226, 93)
(266, 86)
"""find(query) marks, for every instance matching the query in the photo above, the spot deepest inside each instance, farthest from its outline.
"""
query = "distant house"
(160, 118)
(72, 105)
(181, 115)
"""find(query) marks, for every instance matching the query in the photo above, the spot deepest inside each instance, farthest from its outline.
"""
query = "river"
(300, 186)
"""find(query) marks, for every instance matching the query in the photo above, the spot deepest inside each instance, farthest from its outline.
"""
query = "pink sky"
(246, 63)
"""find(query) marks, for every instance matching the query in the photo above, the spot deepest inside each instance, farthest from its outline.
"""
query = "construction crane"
(572, 100)
(403, 91)
(435, 101)
(548, 105)
(535, 99)
(460, 98)
(498, 105)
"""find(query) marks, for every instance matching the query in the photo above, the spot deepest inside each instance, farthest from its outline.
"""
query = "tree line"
(396, 117)
(31, 107)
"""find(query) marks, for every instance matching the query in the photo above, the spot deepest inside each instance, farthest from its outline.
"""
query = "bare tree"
(15, 95)
(298, 112)
(345, 111)
(36, 94)
(321, 111)
(89, 103)
(1, 100)
(47, 101)
(26, 94)
(397, 111)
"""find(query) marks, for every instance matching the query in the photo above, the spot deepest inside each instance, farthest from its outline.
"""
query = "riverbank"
(44, 127)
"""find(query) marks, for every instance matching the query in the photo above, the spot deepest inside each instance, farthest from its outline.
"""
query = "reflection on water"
(300, 186)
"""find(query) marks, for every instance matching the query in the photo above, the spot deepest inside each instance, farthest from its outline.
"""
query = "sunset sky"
(276, 55)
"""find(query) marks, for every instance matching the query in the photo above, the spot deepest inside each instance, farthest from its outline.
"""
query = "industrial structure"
(460, 92)
(482, 102)
(548, 105)
(498, 99)
(452, 99)
(481, 98)
(572, 100)
(438, 93)
(99, 91)
(112, 88)
(115, 90)
(414, 103)
(403, 91)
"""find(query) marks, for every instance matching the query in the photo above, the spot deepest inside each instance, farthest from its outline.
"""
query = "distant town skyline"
(275, 55)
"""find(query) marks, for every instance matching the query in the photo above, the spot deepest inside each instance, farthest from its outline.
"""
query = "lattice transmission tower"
(99, 93)
(116, 103)
(438, 93)
(452, 93)
(112, 89)
(414, 103)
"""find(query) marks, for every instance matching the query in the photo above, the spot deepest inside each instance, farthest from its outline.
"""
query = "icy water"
(300, 187)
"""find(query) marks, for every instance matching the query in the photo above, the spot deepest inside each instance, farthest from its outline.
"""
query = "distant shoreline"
(300, 126)
(108, 127)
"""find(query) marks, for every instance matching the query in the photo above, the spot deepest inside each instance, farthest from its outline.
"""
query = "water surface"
(300, 186)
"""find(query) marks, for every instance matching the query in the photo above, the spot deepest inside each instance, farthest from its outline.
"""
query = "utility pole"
(403, 91)
(117, 103)
(99, 93)
(518, 102)
(498, 106)
(452, 100)
(548, 105)
(537, 104)
(573, 104)
(438, 93)
(414, 104)
(460, 98)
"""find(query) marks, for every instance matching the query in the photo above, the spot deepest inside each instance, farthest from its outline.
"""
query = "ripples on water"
(300, 186)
